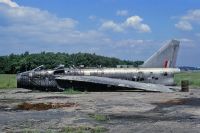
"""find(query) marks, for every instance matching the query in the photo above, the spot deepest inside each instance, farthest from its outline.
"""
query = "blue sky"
(126, 29)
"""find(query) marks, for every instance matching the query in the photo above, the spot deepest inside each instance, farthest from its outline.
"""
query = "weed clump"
(84, 129)
(71, 91)
(99, 117)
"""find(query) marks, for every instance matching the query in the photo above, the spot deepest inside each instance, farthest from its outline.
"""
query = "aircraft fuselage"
(163, 76)
(46, 78)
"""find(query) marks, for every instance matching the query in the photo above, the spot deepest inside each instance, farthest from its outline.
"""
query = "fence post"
(185, 85)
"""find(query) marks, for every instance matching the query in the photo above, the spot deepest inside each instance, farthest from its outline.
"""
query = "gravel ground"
(125, 112)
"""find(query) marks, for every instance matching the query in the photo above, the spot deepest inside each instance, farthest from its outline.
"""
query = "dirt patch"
(175, 102)
(181, 101)
(44, 106)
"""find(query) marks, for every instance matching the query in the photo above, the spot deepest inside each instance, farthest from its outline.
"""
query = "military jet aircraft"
(156, 74)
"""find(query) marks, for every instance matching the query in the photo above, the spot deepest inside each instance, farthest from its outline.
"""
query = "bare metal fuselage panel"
(147, 75)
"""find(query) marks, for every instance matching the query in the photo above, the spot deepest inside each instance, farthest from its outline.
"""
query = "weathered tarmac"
(23, 110)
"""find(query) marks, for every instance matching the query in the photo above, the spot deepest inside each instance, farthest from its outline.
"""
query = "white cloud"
(192, 15)
(122, 13)
(184, 25)
(144, 28)
(110, 25)
(187, 21)
(34, 30)
(186, 42)
(10, 3)
(28, 23)
(26, 16)
(134, 22)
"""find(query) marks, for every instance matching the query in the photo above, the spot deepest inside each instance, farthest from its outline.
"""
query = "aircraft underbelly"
(100, 82)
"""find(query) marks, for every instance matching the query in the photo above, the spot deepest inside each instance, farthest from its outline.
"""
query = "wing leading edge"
(64, 80)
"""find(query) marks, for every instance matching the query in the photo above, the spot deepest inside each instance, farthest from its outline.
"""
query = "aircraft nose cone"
(22, 80)
(18, 80)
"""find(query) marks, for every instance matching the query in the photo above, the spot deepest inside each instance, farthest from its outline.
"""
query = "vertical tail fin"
(165, 57)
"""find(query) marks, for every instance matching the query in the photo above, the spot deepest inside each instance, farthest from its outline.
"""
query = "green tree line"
(14, 63)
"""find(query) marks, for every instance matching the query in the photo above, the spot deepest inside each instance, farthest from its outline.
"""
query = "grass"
(192, 77)
(8, 81)
(71, 91)
(30, 131)
(84, 129)
(99, 117)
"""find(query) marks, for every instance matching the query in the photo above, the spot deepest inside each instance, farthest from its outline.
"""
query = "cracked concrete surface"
(126, 112)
